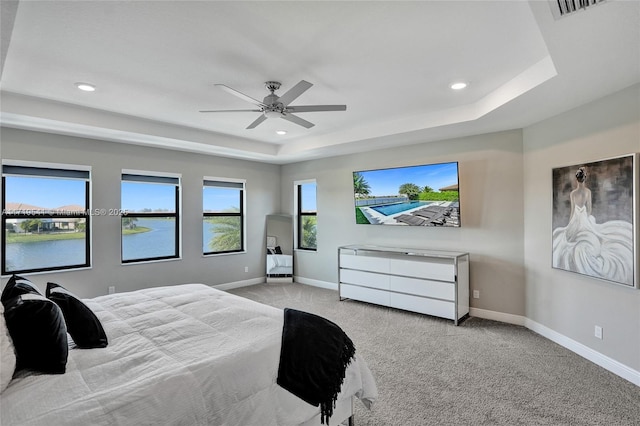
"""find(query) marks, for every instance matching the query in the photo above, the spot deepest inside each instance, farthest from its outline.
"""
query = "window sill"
(140, 262)
(56, 271)
(224, 254)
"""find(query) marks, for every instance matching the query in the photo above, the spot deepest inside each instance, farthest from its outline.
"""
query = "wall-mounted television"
(424, 195)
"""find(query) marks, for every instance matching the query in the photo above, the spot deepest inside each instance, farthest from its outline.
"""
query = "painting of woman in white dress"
(593, 227)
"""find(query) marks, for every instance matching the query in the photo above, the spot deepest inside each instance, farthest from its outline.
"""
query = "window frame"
(152, 178)
(46, 170)
(300, 215)
(227, 183)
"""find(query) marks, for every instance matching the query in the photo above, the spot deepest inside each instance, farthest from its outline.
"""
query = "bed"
(279, 265)
(178, 355)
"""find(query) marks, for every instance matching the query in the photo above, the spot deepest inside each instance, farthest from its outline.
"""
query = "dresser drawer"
(423, 305)
(379, 297)
(367, 279)
(441, 270)
(366, 263)
(434, 289)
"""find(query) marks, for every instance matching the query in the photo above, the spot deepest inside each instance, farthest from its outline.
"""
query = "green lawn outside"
(34, 238)
(360, 217)
(439, 196)
(136, 230)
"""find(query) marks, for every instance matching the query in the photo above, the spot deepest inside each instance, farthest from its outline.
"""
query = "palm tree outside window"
(307, 225)
(223, 221)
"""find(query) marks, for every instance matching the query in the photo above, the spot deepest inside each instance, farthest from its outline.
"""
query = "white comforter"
(178, 355)
(279, 264)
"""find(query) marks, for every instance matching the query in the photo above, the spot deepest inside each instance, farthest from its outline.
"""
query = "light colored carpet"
(430, 372)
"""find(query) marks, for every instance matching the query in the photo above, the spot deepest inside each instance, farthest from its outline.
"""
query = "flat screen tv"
(425, 195)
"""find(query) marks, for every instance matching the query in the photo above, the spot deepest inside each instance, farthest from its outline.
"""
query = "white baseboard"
(497, 316)
(281, 280)
(597, 358)
(238, 284)
(316, 283)
(584, 351)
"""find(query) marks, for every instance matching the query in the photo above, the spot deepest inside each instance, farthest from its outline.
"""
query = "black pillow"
(16, 286)
(82, 324)
(39, 334)
(278, 250)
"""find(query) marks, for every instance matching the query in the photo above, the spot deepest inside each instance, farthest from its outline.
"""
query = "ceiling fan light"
(272, 114)
(458, 85)
(281, 132)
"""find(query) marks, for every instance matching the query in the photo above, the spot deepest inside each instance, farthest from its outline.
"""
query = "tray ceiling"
(155, 65)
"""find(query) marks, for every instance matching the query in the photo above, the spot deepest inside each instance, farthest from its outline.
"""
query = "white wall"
(107, 160)
(491, 203)
(568, 303)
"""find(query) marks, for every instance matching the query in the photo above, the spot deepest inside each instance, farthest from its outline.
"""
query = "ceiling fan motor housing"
(273, 108)
(272, 86)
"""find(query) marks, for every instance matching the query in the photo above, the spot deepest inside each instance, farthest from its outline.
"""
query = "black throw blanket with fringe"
(314, 357)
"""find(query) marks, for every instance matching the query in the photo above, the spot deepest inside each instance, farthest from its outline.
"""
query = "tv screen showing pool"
(425, 195)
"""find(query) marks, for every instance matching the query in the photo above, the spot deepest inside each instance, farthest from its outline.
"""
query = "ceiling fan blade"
(312, 108)
(257, 121)
(232, 110)
(297, 120)
(294, 92)
(240, 95)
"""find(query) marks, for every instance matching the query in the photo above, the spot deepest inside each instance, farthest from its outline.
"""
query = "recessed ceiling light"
(458, 86)
(86, 87)
(281, 132)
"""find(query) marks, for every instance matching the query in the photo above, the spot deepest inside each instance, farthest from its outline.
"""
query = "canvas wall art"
(594, 211)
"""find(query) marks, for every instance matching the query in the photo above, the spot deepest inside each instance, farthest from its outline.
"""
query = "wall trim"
(584, 351)
(238, 284)
(497, 316)
(316, 283)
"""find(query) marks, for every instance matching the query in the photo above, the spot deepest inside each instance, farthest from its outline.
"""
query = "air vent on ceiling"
(561, 8)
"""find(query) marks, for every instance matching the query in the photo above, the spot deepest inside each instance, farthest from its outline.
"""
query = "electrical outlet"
(598, 332)
(112, 289)
(476, 294)
(246, 269)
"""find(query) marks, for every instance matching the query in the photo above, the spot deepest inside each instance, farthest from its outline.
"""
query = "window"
(222, 216)
(45, 218)
(150, 220)
(307, 212)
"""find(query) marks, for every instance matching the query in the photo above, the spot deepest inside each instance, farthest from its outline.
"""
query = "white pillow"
(7, 353)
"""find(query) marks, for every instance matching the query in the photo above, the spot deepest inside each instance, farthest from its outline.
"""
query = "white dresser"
(431, 282)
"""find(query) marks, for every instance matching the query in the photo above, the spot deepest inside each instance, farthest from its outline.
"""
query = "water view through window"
(157, 240)
(21, 256)
(148, 228)
(44, 219)
(150, 225)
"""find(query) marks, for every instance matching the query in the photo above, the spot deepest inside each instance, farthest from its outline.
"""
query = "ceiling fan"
(274, 106)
